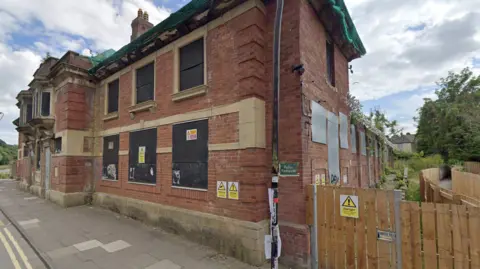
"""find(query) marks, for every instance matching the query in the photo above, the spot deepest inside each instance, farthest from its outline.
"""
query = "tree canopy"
(7, 152)
(450, 125)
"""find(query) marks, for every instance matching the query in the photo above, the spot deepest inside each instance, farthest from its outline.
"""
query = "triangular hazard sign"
(221, 187)
(349, 202)
(233, 187)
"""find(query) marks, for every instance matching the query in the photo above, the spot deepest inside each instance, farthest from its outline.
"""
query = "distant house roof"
(404, 138)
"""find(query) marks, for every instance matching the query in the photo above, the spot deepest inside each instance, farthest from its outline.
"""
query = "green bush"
(413, 192)
(4, 175)
(400, 185)
(418, 162)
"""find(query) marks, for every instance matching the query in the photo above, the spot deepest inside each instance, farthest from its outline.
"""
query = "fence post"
(398, 227)
(315, 229)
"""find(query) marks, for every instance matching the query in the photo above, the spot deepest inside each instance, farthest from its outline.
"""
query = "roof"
(402, 139)
(170, 23)
(180, 18)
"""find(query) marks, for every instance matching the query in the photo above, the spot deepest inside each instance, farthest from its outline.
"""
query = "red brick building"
(153, 129)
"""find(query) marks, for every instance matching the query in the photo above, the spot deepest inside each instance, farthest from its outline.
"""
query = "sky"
(410, 45)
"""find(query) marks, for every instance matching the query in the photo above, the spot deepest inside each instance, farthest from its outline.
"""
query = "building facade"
(155, 129)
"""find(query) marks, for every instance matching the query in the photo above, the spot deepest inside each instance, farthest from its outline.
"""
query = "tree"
(450, 125)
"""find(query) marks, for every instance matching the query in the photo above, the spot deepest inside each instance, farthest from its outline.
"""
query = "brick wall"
(74, 107)
(74, 173)
(236, 59)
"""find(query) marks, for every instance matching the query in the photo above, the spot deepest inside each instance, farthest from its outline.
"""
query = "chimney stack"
(140, 24)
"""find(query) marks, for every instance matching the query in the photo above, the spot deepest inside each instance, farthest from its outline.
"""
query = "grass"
(4, 175)
(5, 166)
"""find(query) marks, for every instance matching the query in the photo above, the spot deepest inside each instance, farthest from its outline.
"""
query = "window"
(333, 149)
(38, 156)
(143, 156)
(192, 65)
(110, 157)
(363, 144)
(319, 123)
(45, 104)
(112, 101)
(58, 145)
(343, 131)
(331, 63)
(353, 138)
(29, 112)
(190, 155)
(25, 151)
(145, 83)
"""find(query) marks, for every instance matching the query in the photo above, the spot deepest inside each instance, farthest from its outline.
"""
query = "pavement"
(91, 237)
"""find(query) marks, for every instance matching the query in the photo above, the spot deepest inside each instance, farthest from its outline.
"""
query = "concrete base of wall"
(37, 190)
(67, 199)
(23, 186)
(240, 239)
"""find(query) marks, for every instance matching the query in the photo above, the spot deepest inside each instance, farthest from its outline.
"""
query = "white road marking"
(10, 252)
(18, 248)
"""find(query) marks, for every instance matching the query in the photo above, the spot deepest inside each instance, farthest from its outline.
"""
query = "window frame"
(49, 105)
(107, 96)
(190, 38)
(115, 139)
(330, 61)
(142, 63)
(55, 141)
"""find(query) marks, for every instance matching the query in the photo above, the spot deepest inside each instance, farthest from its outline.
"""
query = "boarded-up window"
(58, 145)
(190, 155)
(145, 81)
(363, 143)
(45, 104)
(333, 149)
(353, 138)
(112, 101)
(376, 148)
(343, 131)
(38, 155)
(143, 156)
(330, 50)
(29, 113)
(319, 123)
(192, 65)
(110, 157)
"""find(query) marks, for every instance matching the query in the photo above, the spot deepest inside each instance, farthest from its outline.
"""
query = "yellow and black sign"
(349, 206)
(222, 189)
(233, 190)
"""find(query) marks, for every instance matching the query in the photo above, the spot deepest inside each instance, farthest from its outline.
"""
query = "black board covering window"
(45, 104)
(144, 82)
(29, 113)
(331, 63)
(192, 65)
(190, 155)
(112, 102)
(143, 156)
(110, 157)
(58, 144)
(38, 155)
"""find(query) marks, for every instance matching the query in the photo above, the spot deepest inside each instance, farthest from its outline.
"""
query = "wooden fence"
(390, 233)
(465, 188)
(472, 167)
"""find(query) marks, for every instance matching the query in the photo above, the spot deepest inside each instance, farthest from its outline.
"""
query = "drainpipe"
(275, 161)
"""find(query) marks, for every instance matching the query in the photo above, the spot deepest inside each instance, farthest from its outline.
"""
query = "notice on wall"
(345, 179)
(222, 189)
(387, 236)
(141, 154)
(233, 190)
(191, 134)
(349, 206)
(288, 169)
(317, 179)
(323, 179)
(110, 145)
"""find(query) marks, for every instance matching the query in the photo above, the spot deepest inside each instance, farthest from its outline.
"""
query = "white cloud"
(400, 60)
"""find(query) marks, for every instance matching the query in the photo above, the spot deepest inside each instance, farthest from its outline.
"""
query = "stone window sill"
(190, 93)
(110, 116)
(148, 105)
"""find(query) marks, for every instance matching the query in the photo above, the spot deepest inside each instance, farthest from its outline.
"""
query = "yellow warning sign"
(222, 189)
(141, 155)
(233, 190)
(349, 206)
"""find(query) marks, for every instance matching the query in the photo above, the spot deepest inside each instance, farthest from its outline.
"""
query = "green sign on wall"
(288, 169)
